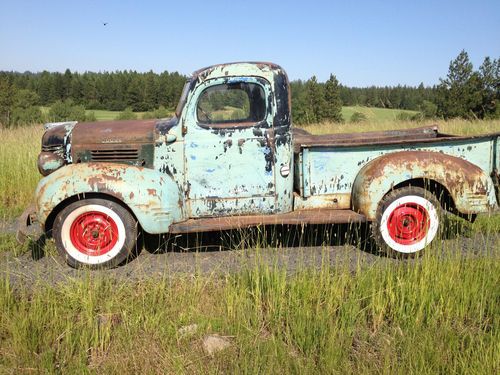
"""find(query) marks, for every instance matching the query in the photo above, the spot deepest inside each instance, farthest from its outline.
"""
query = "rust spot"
(152, 192)
(123, 132)
(423, 134)
(320, 216)
(227, 144)
(460, 177)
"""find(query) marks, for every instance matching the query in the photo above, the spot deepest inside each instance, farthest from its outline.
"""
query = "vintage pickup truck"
(230, 159)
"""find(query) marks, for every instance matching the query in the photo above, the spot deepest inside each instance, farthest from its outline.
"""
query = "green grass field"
(101, 115)
(374, 115)
(440, 314)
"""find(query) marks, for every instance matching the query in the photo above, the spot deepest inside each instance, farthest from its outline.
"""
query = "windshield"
(182, 101)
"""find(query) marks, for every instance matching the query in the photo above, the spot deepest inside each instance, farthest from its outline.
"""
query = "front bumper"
(27, 225)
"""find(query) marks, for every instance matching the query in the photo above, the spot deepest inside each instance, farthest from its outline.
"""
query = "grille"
(52, 148)
(115, 155)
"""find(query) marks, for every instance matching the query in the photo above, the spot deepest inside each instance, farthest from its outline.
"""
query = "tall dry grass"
(437, 315)
(458, 127)
(19, 176)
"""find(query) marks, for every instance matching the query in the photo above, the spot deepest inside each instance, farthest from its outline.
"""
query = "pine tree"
(7, 94)
(316, 100)
(66, 79)
(135, 94)
(332, 97)
(459, 95)
(490, 76)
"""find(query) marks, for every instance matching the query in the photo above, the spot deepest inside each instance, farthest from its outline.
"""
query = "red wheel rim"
(408, 223)
(94, 233)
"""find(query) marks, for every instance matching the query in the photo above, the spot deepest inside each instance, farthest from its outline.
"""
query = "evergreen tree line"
(105, 90)
(464, 92)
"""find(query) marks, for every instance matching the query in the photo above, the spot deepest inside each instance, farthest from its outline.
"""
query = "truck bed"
(304, 139)
(326, 166)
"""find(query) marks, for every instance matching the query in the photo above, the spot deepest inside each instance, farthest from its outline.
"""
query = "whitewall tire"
(408, 220)
(97, 233)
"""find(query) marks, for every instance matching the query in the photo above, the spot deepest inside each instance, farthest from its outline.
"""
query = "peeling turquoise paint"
(152, 197)
(201, 170)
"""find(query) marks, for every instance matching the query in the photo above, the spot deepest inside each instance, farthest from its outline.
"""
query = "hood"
(113, 132)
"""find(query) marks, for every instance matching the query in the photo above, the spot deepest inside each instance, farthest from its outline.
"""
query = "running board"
(320, 216)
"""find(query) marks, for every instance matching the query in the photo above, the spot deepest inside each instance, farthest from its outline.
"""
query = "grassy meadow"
(438, 314)
(100, 114)
(375, 115)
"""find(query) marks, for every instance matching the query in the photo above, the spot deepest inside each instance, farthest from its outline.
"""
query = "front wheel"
(408, 220)
(96, 233)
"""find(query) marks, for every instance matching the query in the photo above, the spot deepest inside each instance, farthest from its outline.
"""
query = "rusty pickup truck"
(230, 159)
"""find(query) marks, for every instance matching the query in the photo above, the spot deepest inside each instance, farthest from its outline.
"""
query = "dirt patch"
(214, 258)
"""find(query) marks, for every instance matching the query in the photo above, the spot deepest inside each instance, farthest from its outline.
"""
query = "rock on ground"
(215, 343)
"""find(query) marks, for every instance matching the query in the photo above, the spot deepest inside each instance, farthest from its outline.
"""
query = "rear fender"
(470, 187)
(154, 198)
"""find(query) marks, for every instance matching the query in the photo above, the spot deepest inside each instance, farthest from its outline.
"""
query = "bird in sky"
(105, 23)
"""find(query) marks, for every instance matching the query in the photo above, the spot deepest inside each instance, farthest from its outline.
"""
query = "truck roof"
(243, 68)
(271, 72)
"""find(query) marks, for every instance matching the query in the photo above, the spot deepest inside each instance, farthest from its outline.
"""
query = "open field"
(290, 301)
(374, 115)
(100, 114)
(103, 115)
(458, 127)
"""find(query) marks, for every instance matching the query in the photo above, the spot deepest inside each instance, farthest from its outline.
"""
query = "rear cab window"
(232, 104)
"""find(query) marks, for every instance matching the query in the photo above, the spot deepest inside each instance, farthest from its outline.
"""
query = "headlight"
(48, 162)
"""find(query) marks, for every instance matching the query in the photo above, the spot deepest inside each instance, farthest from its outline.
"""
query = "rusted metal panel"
(152, 197)
(114, 132)
(235, 168)
(333, 170)
(304, 139)
(320, 216)
(49, 162)
(403, 138)
(341, 201)
(129, 142)
(58, 139)
(471, 188)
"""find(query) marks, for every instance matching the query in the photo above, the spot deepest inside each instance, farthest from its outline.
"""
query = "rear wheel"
(97, 233)
(408, 220)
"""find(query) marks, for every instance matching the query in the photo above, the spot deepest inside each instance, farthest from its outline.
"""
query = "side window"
(232, 103)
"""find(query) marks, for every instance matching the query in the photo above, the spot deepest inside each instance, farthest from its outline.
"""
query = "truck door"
(229, 155)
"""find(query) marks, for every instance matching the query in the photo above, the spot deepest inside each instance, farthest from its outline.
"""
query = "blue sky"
(362, 42)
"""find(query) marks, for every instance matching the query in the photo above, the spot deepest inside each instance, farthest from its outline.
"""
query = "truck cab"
(228, 159)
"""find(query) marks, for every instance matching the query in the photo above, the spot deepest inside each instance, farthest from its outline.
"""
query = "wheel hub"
(94, 233)
(408, 223)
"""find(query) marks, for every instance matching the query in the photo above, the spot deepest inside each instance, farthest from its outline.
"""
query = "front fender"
(154, 198)
(470, 187)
